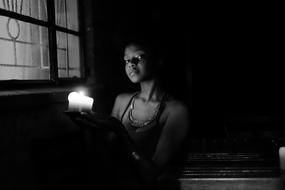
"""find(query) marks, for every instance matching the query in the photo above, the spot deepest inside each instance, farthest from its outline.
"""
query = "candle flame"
(73, 96)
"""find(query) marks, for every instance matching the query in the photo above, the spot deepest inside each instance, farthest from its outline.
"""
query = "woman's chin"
(134, 79)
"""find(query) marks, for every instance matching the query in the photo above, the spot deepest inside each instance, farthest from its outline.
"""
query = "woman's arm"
(173, 134)
(145, 167)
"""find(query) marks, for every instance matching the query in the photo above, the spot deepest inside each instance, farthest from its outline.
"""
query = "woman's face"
(137, 64)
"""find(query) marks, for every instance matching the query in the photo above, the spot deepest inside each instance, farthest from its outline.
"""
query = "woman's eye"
(135, 60)
(138, 57)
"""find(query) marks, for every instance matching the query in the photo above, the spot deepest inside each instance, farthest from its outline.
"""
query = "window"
(39, 40)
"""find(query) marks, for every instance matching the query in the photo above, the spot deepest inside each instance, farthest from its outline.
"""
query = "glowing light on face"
(78, 102)
(135, 60)
(136, 63)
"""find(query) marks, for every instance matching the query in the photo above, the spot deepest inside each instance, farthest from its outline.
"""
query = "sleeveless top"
(145, 138)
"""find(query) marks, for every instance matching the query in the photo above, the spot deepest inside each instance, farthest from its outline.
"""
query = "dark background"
(239, 70)
(225, 60)
(115, 21)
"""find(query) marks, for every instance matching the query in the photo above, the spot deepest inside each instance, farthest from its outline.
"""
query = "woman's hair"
(149, 42)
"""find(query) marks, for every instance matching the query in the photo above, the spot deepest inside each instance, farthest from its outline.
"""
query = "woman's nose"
(132, 65)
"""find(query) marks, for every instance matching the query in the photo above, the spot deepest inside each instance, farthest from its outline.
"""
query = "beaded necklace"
(140, 124)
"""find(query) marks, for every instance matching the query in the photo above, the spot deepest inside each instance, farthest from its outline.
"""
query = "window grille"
(39, 40)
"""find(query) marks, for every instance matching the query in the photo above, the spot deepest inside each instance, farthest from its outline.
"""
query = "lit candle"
(77, 102)
(282, 158)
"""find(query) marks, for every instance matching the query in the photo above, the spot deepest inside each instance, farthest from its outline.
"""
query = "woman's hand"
(95, 121)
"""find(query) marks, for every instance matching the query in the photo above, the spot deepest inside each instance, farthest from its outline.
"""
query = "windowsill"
(30, 98)
(6, 93)
(46, 89)
(23, 99)
(38, 97)
(34, 91)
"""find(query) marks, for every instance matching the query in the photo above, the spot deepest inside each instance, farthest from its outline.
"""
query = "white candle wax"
(282, 158)
(78, 102)
(86, 103)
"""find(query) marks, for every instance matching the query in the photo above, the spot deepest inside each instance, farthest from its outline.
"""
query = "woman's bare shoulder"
(123, 97)
(176, 114)
(121, 102)
(175, 106)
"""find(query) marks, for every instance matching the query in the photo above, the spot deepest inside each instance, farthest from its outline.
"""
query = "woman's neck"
(150, 91)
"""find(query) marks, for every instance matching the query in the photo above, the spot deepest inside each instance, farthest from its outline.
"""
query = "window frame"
(52, 28)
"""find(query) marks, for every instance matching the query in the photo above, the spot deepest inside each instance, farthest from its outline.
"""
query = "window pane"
(68, 55)
(33, 8)
(66, 14)
(23, 50)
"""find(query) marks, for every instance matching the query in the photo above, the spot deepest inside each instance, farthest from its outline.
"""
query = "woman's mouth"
(133, 72)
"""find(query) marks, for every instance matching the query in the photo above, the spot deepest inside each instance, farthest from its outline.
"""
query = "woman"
(150, 124)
